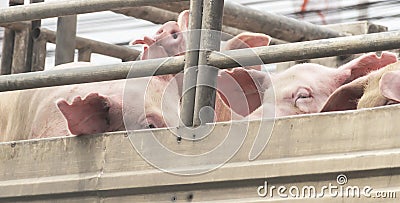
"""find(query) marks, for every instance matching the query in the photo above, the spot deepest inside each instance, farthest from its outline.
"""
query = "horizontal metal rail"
(160, 16)
(124, 53)
(121, 52)
(71, 7)
(149, 13)
(275, 25)
(228, 59)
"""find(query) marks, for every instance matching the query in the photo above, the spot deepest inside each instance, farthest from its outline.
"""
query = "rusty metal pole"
(7, 51)
(84, 54)
(65, 40)
(36, 49)
(20, 56)
(21, 60)
(207, 75)
(8, 45)
(191, 62)
(121, 52)
(71, 7)
(39, 53)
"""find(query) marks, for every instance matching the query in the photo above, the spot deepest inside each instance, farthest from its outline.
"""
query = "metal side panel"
(308, 150)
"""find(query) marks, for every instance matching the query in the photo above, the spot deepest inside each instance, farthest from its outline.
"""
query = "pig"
(170, 40)
(90, 108)
(301, 89)
(98, 107)
(305, 88)
(378, 88)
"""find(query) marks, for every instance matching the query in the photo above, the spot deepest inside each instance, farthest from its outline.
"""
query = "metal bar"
(227, 59)
(65, 39)
(207, 75)
(192, 60)
(160, 16)
(176, 7)
(277, 26)
(36, 49)
(8, 44)
(7, 51)
(84, 54)
(149, 13)
(17, 26)
(20, 55)
(124, 53)
(39, 54)
(71, 7)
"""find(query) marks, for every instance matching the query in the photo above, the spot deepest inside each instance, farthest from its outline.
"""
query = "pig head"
(378, 88)
(304, 88)
(170, 40)
(233, 85)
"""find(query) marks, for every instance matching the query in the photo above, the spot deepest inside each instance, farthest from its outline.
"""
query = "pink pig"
(170, 40)
(378, 88)
(305, 88)
(89, 108)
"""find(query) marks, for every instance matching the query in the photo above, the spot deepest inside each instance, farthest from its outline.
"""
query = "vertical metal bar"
(191, 62)
(207, 76)
(65, 39)
(20, 55)
(84, 54)
(8, 45)
(36, 48)
(7, 51)
(39, 54)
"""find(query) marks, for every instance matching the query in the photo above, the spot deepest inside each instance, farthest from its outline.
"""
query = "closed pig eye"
(302, 93)
(391, 102)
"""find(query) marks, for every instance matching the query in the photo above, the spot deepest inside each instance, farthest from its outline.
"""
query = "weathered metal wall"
(303, 150)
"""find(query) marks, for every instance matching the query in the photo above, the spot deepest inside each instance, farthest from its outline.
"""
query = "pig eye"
(302, 95)
(175, 35)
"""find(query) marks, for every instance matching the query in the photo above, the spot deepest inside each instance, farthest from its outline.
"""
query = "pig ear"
(146, 41)
(86, 116)
(366, 63)
(346, 97)
(389, 85)
(183, 20)
(223, 111)
(239, 84)
(247, 40)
